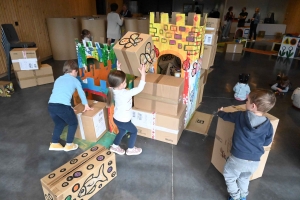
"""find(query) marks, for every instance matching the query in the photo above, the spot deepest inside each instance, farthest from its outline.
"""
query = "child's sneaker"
(56, 147)
(117, 149)
(243, 198)
(134, 151)
(71, 147)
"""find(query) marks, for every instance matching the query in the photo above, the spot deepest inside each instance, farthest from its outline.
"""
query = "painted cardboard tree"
(185, 42)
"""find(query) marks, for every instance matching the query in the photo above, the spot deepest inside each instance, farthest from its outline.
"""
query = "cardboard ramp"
(200, 123)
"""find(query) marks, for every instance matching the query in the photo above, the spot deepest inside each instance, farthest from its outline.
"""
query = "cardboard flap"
(200, 123)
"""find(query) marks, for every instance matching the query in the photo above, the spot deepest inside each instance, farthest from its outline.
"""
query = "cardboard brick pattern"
(162, 94)
(161, 127)
(223, 142)
(25, 58)
(91, 124)
(81, 177)
(135, 49)
(31, 78)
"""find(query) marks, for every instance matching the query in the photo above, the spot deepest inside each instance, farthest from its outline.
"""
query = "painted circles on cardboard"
(77, 174)
(70, 178)
(90, 166)
(63, 170)
(84, 155)
(76, 187)
(100, 158)
(65, 184)
(68, 197)
(110, 162)
(109, 169)
(113, 174)
(94, 148)
(51, 175)
(73, 161)
(108, 153)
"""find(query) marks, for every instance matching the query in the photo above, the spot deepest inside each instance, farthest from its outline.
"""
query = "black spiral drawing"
(133, 40)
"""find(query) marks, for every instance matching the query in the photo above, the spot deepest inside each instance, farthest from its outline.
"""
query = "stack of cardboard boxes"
(158, 111)
(28, 68)
(223, 142)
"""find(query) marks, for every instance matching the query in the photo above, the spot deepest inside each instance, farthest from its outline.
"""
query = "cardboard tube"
(143, 26)
(97, 27)
(62, 34)
(131, 25)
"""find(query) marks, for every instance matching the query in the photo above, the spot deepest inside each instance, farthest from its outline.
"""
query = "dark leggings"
(253, 30)
(125, 127)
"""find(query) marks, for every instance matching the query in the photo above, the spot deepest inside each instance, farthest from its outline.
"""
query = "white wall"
(278, 7)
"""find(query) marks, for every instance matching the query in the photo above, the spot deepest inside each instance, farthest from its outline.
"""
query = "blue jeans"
(123, 128)
(237, 174)
(62, 115)
(226, 29)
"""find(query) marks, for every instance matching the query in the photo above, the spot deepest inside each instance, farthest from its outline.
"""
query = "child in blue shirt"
(242, 88)
(59, 106)
(252, 132)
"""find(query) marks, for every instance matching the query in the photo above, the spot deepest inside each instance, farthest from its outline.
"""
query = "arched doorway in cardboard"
(169, 63)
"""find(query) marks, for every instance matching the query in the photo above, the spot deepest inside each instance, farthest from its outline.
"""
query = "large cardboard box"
(92, 124)
(81, 177)
(162, 94)
(6, 89)
(207, 54)
(212, 24)
(44, 75)
(232, 47)
(223, 142)
(26, 78)
(134, 49)
(210, 38)
(165, 128)
(25, 58)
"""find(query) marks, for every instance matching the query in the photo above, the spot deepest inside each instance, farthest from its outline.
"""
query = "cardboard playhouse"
(81, 177)
(223, 142)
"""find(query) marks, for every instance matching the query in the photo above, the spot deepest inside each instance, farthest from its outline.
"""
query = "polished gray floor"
(163, 171)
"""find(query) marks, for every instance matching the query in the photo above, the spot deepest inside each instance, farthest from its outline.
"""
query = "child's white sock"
(129, 149)
(69, 144)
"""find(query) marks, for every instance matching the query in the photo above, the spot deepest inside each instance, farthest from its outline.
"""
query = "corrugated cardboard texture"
(223, 142)
(162, 94)
(86, 125)
(200, 123)
(132, 49)
(232, 47)
(82, 176)
(166, 128)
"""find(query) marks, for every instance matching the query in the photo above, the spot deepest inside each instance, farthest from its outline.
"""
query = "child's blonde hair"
(263, 99)
(115, 79)
(69, 66)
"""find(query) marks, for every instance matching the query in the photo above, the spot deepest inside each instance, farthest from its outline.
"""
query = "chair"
(10, 40)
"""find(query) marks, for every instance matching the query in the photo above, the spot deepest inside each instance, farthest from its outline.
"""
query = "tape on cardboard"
(123, 50)
(156, 98)
(154, 91)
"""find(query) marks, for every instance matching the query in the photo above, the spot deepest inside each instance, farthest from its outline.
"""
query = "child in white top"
(123, 108)
(86, 35)
(242, 89)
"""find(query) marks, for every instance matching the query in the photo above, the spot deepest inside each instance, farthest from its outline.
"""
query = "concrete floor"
(163, 171)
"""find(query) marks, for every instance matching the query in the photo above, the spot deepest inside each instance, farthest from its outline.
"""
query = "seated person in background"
(125, 12)
(86, 35)
(282, 86)
(242, 89)
(296, 97)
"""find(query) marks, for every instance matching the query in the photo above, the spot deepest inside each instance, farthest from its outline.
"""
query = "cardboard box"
(212, 24)
(6, 89)
(26, 78)
(91, 124)
(81, 177)
(200, 123)
(165, 128)
(232, 47)
(162, 94)
(233, 56)
(223, 142)
(134, 49)
(25, 58)
(210, 38)
(207, 54)
(44, 75)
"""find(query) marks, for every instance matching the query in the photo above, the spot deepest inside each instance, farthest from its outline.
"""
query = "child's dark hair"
(263, 99)
(84, 33)
(244, 78)
(115, 79)
(69, 66)
(284, 81)
(114, 7)
(230, 8)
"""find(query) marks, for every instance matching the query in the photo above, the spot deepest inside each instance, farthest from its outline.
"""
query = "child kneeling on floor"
(252, 132)
(60, 109)
(282, 86)
(241, 88)
(123, 108)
